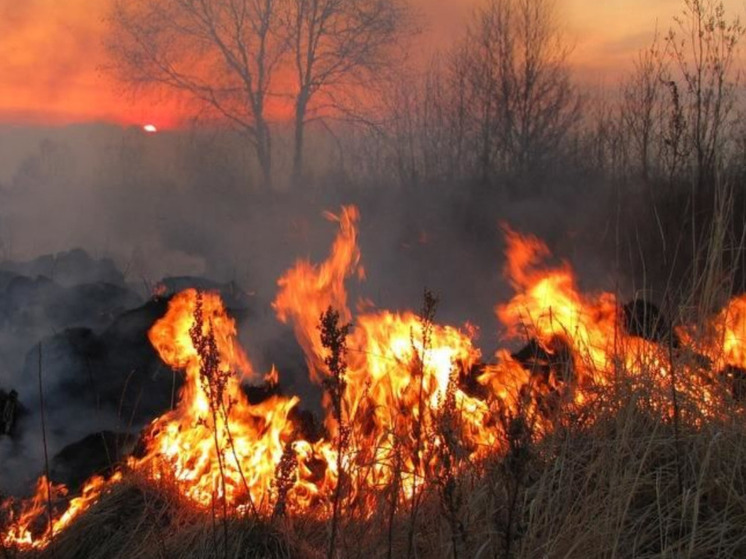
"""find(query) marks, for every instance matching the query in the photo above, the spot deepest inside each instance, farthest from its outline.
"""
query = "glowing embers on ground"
(414, 399)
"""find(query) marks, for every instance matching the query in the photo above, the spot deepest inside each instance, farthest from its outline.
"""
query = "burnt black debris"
(468, 380)
(27, 305)
(553, 360)
(115, 374)
(67, 268)
(234, 298)
(74, 322)
(97, 453)
(9, 412)
(644, 319)
(306, 425)
(261, 392)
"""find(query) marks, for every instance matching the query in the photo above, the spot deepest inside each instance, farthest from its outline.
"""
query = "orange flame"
(25, 529)
(415, 392)
(215, 444)
(306, 291)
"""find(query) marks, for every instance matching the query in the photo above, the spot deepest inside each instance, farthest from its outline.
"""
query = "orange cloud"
(51, 66)
(51, 53)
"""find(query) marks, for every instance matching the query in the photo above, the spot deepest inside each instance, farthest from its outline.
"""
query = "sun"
(150, 128)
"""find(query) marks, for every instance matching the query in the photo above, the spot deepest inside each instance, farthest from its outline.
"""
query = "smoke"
(145, 207)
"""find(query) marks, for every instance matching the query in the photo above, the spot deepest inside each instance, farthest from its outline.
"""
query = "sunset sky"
(52, 59)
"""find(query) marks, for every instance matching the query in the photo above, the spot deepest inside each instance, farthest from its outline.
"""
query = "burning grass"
(599, 438)
(601, 488)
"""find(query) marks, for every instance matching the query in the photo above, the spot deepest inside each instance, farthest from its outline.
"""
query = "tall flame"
(307, 290)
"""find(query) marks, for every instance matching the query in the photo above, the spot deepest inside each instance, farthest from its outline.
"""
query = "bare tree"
(703, 47)
(338, 44)
(544, 103)
(457, 112)
(642, 96)
(523, 101)
(223, 53)
(498, 104)
(484, 55)
(601, 148)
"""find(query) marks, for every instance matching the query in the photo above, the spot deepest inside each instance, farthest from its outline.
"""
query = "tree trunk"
(300, 128)
(264, 153)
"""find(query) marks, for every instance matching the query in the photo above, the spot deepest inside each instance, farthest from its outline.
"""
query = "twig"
(429, 307)
(334, 339)
(676, 415)
(50, 526)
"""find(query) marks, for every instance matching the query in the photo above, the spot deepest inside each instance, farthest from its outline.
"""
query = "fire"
(415, 399)
(25, 529)
(215, 445)
(723, 337)
(585, 332)
(549, 306)
(307, 290)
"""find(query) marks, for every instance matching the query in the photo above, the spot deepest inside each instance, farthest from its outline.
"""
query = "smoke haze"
(182, 204)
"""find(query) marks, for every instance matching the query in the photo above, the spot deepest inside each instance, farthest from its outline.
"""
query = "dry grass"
(612, 480)
(141, 520)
